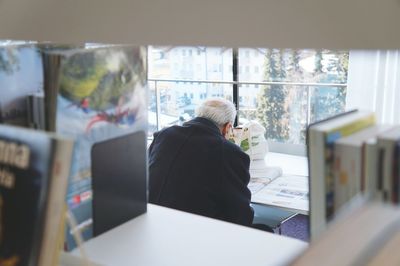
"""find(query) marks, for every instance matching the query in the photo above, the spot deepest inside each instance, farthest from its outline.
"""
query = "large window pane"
(177, 76)
(283, 89)
(293, 65)
(291, 88)
(327, 101)
(281, 109)
(190, 63)
(178, 100)
(286, 110)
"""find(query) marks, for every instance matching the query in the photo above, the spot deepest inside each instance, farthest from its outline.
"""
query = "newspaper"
(261, 177)
(287, 191)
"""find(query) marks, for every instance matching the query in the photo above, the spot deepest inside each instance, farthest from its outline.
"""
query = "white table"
(164, 237)
(290, 164)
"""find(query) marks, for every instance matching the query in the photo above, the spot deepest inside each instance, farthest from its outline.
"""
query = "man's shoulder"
(231, 147)
(168, 130)
(234, 155)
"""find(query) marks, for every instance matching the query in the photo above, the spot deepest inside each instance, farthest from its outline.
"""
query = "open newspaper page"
(287, 191)
(262, 177)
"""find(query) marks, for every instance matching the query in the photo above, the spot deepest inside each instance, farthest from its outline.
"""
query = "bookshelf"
(354, 186)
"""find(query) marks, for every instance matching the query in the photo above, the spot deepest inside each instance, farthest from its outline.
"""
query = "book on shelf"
(396, 174)
(349, 165)
(35, 109)
(370, 165)
(34, 169)
(321, 137)
(363, 235)
(93, 94)
(386, 145)
(21, 75)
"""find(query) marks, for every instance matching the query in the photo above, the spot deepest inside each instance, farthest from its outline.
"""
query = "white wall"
(374, 83)
(257, 23)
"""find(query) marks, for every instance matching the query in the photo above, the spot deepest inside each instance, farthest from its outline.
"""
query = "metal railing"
(241, 83)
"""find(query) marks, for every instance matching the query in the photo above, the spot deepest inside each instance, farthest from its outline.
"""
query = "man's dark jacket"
(193, 168)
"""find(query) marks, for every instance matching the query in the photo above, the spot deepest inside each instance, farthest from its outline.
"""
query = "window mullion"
(235, 92)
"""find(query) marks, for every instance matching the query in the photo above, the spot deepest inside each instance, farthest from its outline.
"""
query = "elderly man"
(193, 167)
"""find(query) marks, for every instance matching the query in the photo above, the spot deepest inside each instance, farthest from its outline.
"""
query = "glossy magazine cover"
(101, 95)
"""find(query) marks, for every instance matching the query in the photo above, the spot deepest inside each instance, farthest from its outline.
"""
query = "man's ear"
(225, 128)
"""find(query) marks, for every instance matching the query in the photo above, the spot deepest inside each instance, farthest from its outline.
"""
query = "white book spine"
(370, 167)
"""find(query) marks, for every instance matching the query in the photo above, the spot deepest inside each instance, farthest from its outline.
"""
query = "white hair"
(218, 110)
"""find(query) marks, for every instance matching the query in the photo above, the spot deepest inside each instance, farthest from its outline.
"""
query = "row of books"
(85, 93)
(350, 155)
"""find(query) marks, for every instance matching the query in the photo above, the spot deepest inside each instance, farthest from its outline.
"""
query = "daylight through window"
(283, 89)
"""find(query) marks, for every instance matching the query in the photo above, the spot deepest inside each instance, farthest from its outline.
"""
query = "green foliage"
(272, 109)
(282, 109)
(244, 144)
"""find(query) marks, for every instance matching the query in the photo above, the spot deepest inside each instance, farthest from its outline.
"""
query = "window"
(284, 90)
(303, 86)
(215, 68)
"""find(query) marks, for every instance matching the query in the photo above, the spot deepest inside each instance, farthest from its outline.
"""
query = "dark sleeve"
(151, 147)
(235, 178)
(152, 143)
